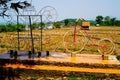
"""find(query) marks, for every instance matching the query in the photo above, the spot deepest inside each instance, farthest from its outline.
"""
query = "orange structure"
(85, 25)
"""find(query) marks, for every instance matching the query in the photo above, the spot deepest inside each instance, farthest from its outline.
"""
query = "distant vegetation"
(99, 21)
(107, 21)
(15, 27)
(11, 27)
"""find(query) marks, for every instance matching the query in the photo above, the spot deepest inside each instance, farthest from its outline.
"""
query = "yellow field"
(52, 40)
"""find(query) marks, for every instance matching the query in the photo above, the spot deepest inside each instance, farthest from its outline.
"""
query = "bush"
(2, 46)
(118, 57)
(57, 24)
(11, 27)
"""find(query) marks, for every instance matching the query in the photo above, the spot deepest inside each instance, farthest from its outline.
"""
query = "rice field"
(52, 40)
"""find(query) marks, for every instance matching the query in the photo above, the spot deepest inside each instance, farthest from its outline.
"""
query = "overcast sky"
(87, 9)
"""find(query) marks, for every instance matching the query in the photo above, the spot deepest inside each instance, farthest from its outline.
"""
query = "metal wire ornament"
(49, 13)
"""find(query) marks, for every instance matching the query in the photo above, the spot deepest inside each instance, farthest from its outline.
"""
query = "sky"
(87, 9)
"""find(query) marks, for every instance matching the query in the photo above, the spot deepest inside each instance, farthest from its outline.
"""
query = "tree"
(66, 21)
(57, 24)
(7, 4)
(71, 23)
(107, 20)
(99, 19)
(113, 21)
(117, 22)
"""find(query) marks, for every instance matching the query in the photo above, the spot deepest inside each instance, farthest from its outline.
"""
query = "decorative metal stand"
(25, 40)
(31, 31)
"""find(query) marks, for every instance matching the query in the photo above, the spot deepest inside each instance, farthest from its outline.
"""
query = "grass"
(52, 39)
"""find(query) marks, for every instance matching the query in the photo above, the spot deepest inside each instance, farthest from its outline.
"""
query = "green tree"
(99, 19)
(66, 21)
(71, 23)
(107, 21)
(112, 20)
(57, 24)
(117, 23)
(41, 24)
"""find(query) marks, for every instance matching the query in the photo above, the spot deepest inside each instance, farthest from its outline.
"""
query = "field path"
(64, 68)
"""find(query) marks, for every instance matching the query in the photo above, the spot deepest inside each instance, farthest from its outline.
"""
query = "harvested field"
(47, 69)
(52, 40)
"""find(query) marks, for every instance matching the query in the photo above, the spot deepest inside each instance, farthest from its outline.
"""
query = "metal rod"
(41, 31)
(32, 41)
(75, 31)
(18, 32)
